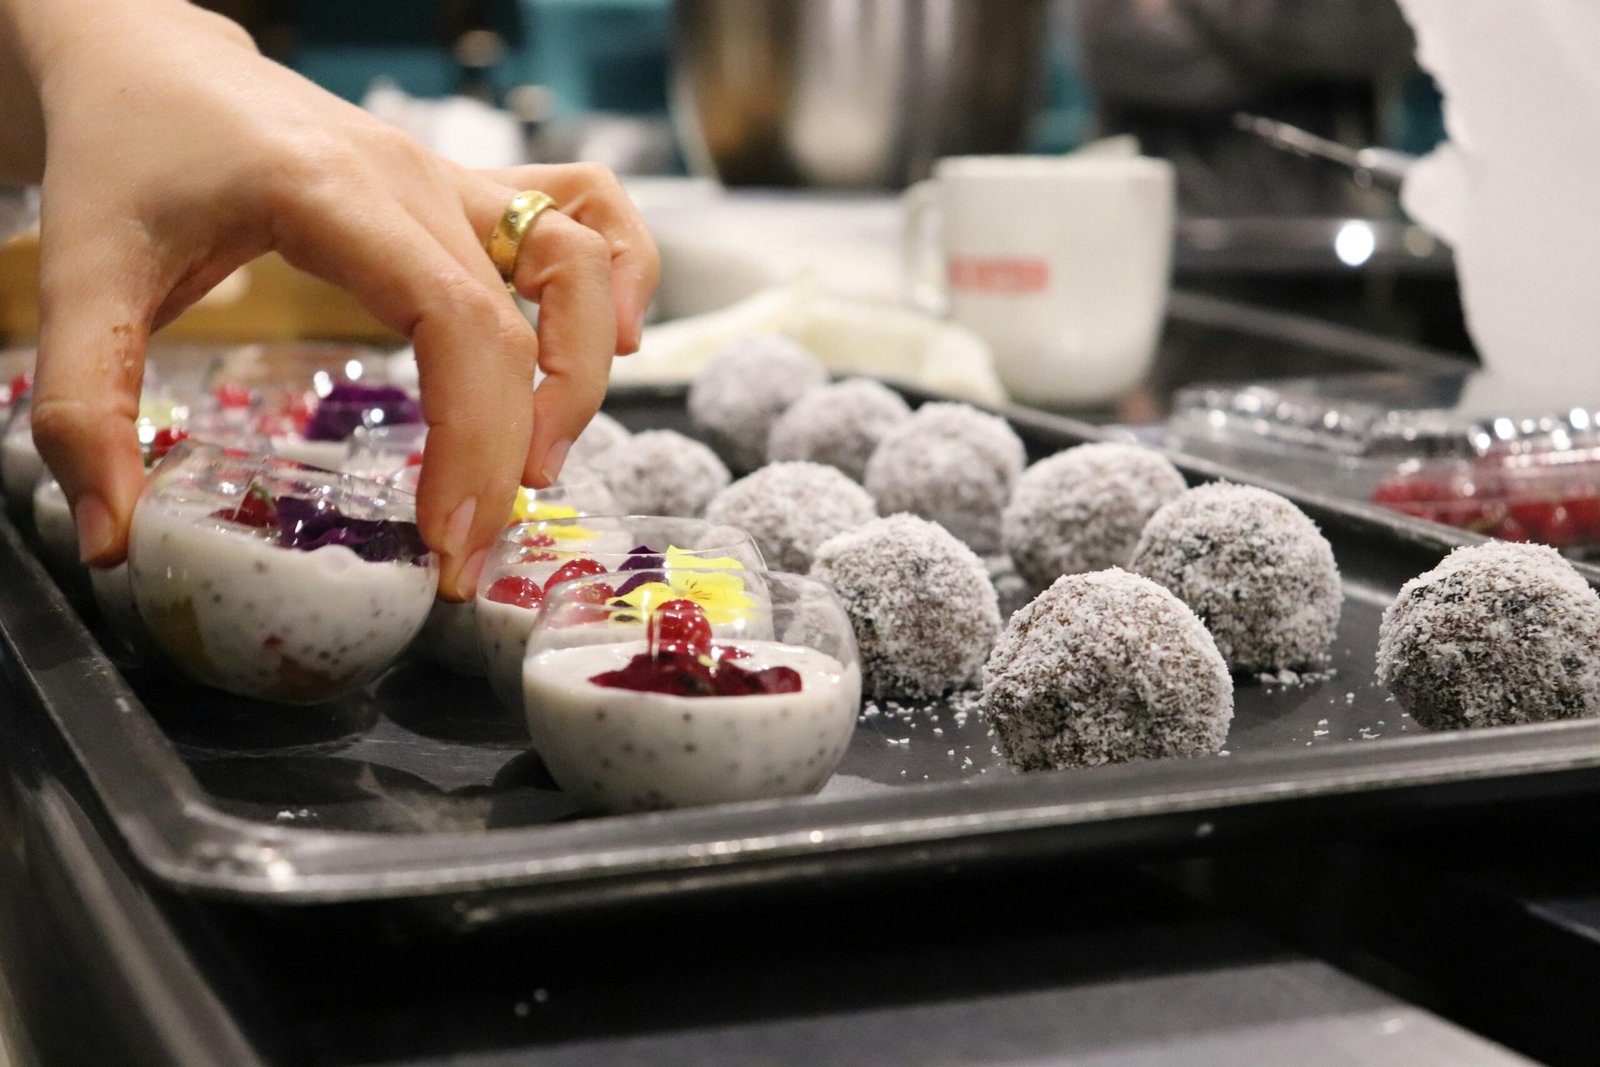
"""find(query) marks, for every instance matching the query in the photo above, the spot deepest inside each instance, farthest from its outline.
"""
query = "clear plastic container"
(1550, 496)
(1348, 434)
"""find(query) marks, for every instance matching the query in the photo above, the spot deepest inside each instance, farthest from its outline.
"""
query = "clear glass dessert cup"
(450, 636)
(275, 580)
(529, 558)
(386, 452)
(639, 702)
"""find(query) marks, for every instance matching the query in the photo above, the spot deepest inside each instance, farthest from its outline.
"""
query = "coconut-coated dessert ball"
(742, 390)
(924, 610)
(951, 464)
(1496, 634)
(840, 425)
(790, 509)
(598, 438)
(1255, 569)
(1083, 509)
(662, 472)
(1105, 668)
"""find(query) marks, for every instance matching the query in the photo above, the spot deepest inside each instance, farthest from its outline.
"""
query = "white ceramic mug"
(1061, 263)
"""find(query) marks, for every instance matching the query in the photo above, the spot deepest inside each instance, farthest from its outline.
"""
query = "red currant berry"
(574, 569)
(590, 602)
(516, 590)
(680, 626)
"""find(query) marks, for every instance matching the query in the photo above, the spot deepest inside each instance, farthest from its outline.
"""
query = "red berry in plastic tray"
(232, 396)
(1583, 504)
(574, 569)
(164, 440)
(1511, 530)
(679, 626)
(516, 590)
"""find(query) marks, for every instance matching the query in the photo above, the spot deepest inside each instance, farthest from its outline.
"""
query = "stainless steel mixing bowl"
(852, 93)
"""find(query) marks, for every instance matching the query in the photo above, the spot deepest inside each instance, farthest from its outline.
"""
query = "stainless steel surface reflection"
(852, 93)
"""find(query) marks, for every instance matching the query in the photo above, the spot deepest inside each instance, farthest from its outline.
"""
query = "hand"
(174, 154)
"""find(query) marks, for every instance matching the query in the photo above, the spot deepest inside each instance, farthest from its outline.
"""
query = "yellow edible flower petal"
(529, 508)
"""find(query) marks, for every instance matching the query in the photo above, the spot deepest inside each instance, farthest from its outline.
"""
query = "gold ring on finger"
(515, 222)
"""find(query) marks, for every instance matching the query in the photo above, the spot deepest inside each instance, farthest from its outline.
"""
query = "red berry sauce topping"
(516, 590)
(682, 661)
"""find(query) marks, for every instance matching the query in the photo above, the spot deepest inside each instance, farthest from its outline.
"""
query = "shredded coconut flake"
(924, 612)
(1083, 509)
(840, 425)
(1496, 634)
(791, 508)
(1255, 569)
(951, 464)
(597, 439)
(662, 472)
(1105, 668)
(743, 389)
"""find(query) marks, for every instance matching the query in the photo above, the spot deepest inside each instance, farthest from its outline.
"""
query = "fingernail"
(471, 571)
(95, 529)
(638, 334)
(458, 527)
(555, 459)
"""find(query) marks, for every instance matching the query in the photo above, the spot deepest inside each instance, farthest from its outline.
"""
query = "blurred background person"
(1175, 72)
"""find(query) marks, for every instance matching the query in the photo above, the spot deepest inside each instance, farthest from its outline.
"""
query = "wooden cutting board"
(268, 300)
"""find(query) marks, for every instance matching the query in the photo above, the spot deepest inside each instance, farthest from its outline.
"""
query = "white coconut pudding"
(661, 711)
(275, 580)
(647, 559)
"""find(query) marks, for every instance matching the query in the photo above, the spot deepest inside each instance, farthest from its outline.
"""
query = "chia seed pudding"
(225, 548)
(532, 558)
(449, 637)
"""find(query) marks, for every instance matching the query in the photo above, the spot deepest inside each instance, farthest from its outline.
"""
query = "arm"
(172, 153)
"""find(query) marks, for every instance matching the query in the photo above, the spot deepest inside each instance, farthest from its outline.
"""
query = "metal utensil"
(852, 93)
(1381, 167)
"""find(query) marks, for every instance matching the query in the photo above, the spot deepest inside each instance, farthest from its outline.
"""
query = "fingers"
(567, 268)
(592, 195)
(96, 285)
(475, 353)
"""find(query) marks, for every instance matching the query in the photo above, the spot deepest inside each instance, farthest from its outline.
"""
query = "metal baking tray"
(421, 786)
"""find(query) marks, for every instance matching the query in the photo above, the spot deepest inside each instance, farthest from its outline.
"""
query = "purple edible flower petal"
(637, 579)
(307, 525)
(350, 405)
(642, 558)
